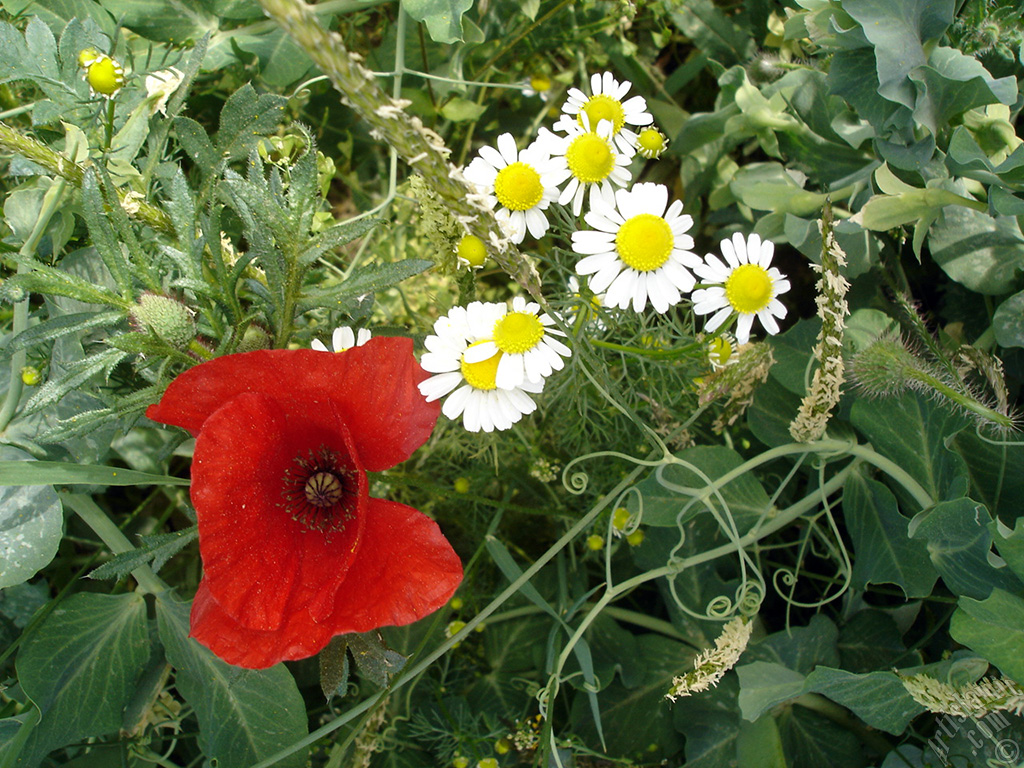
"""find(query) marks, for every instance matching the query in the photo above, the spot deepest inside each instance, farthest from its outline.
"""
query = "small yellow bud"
(104, 75)
(595, 542)
(620, 519)
(456, 603)
(472, 251)
(636, 538)
(453, 628)
(487, 762)
(651, 143)
(503, 746)
(30, 376)
(460, 761)
(461, 485)
(480, 627)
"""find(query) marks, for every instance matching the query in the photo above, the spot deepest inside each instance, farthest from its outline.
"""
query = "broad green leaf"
(995, 470)
(334, 668)
(374, 660)
(768, 187)
(959, 542)
(31, 521)
(885, 212)
(911, 432)
(1010, 543)
(66, 473)
(196, 142)
(871, 640)
(899, 32)
(952, 83)
(764, 685)
(877, 698)
(244, 715)
(282, 60)
(883, 551)
(460, 110)
(167, 21)
(640, 715)
(711, 723)
(442, 17)
(673, 488)
(993, 627)
(79, 666)
(712, 31)
(853, 76)
(1008, 321)
(811, 739)
(978, 251)
(771, 413)
(760, 744)
(800, 649)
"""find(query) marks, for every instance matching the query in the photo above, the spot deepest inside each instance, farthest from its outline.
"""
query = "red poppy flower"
(294, 549)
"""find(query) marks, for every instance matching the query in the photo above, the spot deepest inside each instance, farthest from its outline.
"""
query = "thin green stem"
(53, 197)
(662, 354)
(111, 535)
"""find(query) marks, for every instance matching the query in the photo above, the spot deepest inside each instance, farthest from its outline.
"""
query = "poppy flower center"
(749, 288)
(321, 491)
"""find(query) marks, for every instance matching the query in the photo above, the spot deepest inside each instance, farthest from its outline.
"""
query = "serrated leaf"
(79, 667)
(442, 17)
(58, 326)
(156, 550)
(31, 521)
(370, 279)
(244, 715)
(194, 140)
(76, 374)
(335, 237)
(246, 118)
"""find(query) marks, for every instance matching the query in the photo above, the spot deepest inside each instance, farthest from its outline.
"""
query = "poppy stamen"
(321, 492)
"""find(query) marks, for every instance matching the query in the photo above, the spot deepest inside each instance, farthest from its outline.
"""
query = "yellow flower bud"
(472, 251)
(461, 485)
(620, 518)
(104, 75)
(30, 376)
(595, 542)
(651, 143)
(636, 538)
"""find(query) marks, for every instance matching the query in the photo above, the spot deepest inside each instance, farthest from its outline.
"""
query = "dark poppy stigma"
(321, 491)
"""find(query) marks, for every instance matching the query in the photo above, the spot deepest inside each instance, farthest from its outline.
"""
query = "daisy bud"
(456, 603)
(595, 543)
(166, 317)
(104, 75)
(471, 251)
(636, 538)
(30, 376)
(503, 746)
(651, 142)
(620, 519)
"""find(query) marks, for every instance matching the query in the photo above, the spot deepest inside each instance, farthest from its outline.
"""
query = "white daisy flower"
(526, 343)
(746, 285)
(587, 157)
(539, 85)
(605, 103)
(343, 338)
(520, 181)
(639, 250)
(479, 401)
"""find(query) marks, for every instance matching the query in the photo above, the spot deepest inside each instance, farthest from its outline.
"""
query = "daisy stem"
(108, 127)
(111, 535)
(669, 354)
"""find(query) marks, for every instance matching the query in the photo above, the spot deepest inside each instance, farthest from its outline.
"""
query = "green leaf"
(959, 542)
(194, 140)
(799, 648)
(811, 739)
(374, 660)
(166, 21)
(246, 118)
(993, 627)
(871, 640)
(1008, 321)
(59, 326)
(712, 724)
(953, 83)
(76, 374)
(460, 110)
(156, 550)
(335, 237)
(79, 666)
(31, 521)
(899, 32)
(911, 432)
(884, 553)
(768, 187)
(978, 251)
(334, 668)
(764, 685)
(1010, 543)
(66, 473)
(442, 17)
(995, 470)
(245, 715)
(877, 698)
(760, 744)
(771, 413)
(363, 281)
(676, 487)
(282, 60)
(712, 31)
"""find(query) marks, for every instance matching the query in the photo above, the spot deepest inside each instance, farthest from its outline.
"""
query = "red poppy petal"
(260, 564)
(374, 387)
(297, 638)
(405, 570)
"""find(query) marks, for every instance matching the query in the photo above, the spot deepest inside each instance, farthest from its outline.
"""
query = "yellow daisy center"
(749, 288)
(644, 242)
(652, 141)
(518, 187)
(603, 107)
(590, 158)
(540, 84)
(720, 351)
(518, 332)
(105, 76)
(472, 249)
(481, 375)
